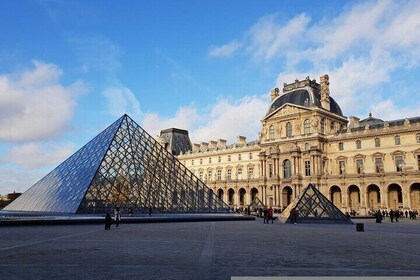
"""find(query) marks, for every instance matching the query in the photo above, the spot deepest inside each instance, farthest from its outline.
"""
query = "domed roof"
(306, 97)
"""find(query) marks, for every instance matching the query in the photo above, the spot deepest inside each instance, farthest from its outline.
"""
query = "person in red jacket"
(270, 215)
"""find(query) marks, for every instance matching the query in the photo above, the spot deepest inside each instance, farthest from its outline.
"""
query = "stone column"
(281, 198)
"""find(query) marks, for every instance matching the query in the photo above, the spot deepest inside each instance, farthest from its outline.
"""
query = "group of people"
(117, 217)
(267, 214)
(395, 215)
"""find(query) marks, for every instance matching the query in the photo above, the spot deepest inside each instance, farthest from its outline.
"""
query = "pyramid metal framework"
(256, 204)
(121, 167)
(313, 207)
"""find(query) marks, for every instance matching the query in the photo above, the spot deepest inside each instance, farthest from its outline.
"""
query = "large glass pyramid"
(313, 207)
(121, 167)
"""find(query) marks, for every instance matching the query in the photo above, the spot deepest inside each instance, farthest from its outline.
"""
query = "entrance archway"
(231, 196)
(254, 193)
(287, 196)
(220, 193)
(335, 195)
(415, 196)
(354, 197)
(374, 197)
(242, 193)
(395, 197)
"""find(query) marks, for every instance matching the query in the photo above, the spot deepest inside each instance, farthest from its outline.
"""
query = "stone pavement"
(209, 250)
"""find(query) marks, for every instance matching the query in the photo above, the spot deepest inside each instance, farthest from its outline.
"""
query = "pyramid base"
(318, 221)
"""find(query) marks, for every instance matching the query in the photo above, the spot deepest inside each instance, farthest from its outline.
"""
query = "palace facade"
(359, 165)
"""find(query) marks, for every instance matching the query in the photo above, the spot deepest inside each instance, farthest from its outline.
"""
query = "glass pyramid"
(313, 207)
(121, 167)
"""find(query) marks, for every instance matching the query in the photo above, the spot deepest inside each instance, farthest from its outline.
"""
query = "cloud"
(34, 105)
(226, 50)
(230, 119)
(185, 118)
(266, 39)
(121, 100)
(17, 180)
(35, 155)
(387, 110)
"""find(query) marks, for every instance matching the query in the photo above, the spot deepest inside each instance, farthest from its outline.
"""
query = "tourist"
(378, 217)
(150, 211)
(117, 217)
(108, 221)
(391, 215)
(265, 212)
(293, 216)
(406, 214)
(397, 216)
(270, 215)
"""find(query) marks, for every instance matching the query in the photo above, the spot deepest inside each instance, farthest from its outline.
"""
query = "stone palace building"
(359, 165)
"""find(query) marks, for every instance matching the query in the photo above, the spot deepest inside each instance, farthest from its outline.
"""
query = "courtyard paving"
(209, 250)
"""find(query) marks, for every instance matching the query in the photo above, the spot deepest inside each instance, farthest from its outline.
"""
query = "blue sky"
(70, 68)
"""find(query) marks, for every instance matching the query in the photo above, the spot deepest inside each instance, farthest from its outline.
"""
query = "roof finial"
(370, 115)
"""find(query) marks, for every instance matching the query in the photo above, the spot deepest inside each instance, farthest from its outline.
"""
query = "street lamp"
(371, 204)
(395, 204)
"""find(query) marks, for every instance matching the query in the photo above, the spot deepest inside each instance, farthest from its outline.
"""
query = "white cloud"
(229, 119)
(35, 155)
(387, 110)
(17, 180)
(225, 50)
(185, 118)
(34, 105)
(267, 38)
(121, 100)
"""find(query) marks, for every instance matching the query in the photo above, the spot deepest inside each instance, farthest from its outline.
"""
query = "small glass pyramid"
(311, 206)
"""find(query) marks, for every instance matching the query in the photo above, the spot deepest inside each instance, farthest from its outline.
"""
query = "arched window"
(307, 126)
(287, 169)
(397, 140)
(288, 129)
(271, 132)
(377, 142)
(323, 126)
(358, 144)
(332, 125)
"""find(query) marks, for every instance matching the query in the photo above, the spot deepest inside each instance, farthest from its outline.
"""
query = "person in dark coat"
(378, 216)
(265, 215)
(108, 221)
(117, 217)
(150, 211)
(391, 215)
(293, 216)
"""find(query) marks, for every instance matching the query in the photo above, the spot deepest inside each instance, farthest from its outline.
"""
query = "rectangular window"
(192, 162)
(399, 163)
(307, 168)
(219, 159)
(209, 159)
(342, 166)
(239, 157)
(358, 144)
(377, 142)
(418, 161)
(228, 157)
(229, 174)
(219, 175)
(378, 165)
(239, 173)
(341, 146)
(270, 170)
(209, 175)
(359, 166)
(251, 172)
(397, 140)
(201, 175)
(418, 137)
(201, 161)
(250, 155)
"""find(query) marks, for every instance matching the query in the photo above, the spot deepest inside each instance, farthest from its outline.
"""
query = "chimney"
(354, 122)
(196, 148)
(241, 141)
(204, 146)
(325, 92)
(274, 93)
(213, 145)
(221, 143)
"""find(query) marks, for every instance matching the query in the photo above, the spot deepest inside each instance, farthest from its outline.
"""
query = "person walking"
(108, 221)
(150, 211)
(270, 215)
(117, 217)
(391, 215)
(265, 212)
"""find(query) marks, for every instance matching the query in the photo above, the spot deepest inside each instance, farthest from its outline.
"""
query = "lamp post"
(395, 204)
(371, 204)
